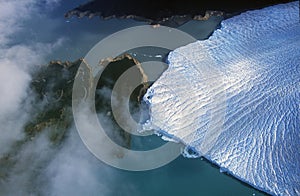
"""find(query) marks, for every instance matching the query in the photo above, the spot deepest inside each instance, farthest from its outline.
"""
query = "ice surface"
(235, 98)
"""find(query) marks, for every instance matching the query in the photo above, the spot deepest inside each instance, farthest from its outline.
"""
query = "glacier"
(235, 98)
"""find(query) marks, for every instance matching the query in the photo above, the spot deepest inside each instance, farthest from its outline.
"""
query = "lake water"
(181, 177)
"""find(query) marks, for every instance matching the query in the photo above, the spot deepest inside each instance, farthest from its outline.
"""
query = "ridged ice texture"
(235, 98)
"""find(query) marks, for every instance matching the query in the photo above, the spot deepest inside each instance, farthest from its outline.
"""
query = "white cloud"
(12, 15)
(52, 3)
(16, 61)
(75, 171)
(39, 169)
(24, 177)
(72, 171)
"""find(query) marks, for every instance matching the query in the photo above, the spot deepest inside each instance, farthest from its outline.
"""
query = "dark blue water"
(182, 176)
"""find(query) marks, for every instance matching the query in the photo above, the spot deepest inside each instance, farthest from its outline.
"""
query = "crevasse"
(235, 98)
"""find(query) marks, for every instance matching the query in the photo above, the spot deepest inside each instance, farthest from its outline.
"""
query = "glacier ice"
(235, 98)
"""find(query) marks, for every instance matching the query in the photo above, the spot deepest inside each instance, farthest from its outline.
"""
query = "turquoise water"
(181, 177)
(185, 177)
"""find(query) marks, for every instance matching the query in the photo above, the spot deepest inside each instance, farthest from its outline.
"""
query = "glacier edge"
(241, 109)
